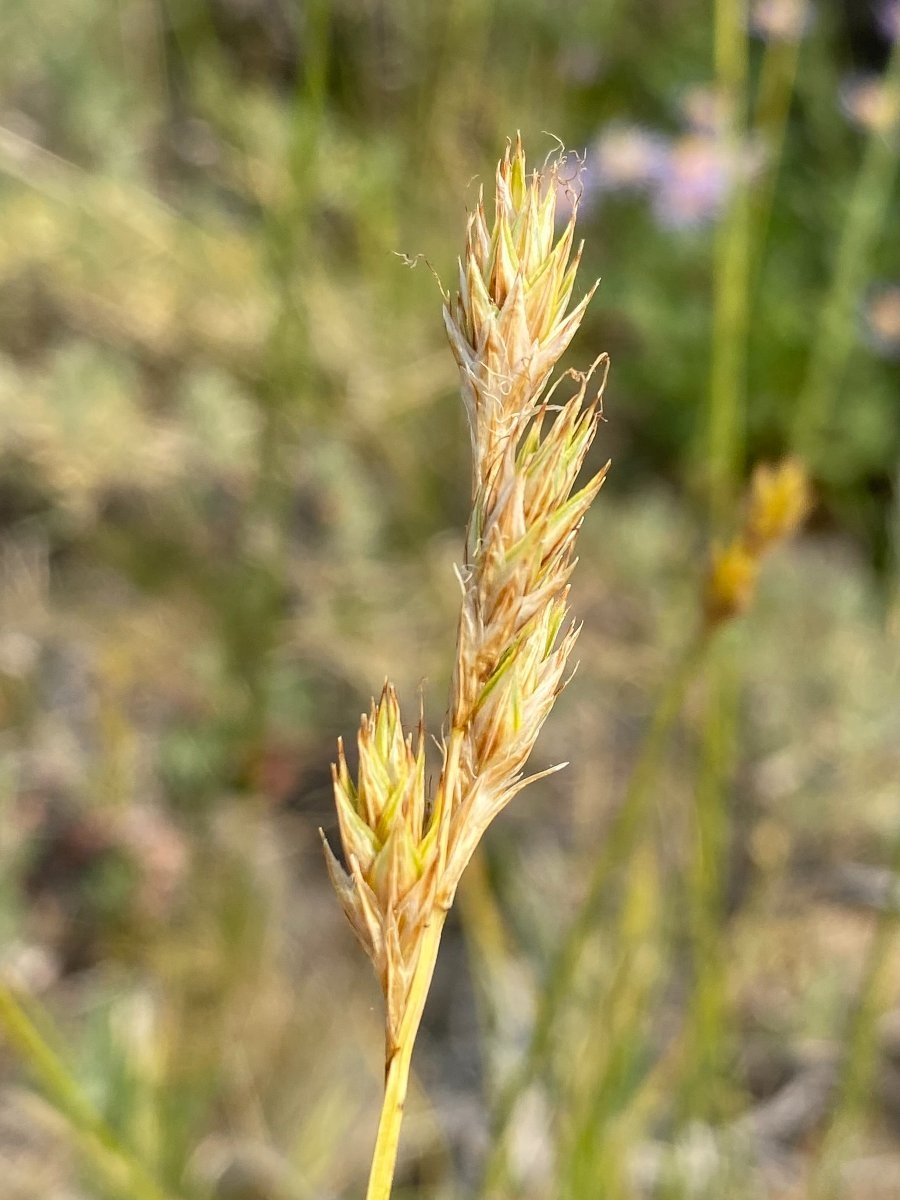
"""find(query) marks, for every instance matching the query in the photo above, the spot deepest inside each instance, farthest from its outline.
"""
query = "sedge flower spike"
(405, 851)
(508, 325)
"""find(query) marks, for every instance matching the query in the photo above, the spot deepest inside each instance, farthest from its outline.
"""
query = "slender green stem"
(778, 75)
(728, 388)
(731, 273)
(99, 1143)
(707, 1021)
(600, 1096)
(619, 843)
(855, 1089)
(865, 213)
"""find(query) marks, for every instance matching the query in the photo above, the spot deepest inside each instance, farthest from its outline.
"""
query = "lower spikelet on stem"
(405, 851)
(394, 849)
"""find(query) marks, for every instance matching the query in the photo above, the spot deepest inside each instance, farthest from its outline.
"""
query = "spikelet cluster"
(778, 503)
(508, 324)
(392, 845)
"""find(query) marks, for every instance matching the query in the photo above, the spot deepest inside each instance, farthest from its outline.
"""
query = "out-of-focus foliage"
(233, 478)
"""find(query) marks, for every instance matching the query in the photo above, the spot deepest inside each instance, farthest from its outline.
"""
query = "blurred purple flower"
(689, 178)
(781, 20)
(881, 313)
(700, 175)
(870, 103)
(703, 109)
(625, 157)
(889, 19)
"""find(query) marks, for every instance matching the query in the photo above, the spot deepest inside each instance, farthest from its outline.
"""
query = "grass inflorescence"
(406, 851)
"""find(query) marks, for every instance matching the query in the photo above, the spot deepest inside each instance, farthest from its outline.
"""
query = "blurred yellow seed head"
(779, 502)
(731, 582)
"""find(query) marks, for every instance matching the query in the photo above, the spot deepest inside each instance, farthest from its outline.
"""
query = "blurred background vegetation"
(233, 482)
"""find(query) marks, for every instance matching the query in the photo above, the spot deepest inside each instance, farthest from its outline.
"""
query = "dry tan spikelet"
(508, 327)
(392, 845)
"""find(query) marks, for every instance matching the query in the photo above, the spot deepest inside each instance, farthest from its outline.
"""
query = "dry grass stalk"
(405, 852)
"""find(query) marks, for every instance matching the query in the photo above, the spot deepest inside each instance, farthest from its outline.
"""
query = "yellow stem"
(384, 1158)
(396, 1081)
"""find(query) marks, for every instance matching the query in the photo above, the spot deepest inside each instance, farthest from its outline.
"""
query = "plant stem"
(99, 1142)
(384, 1158)
(726, 437)
(620, 840)
(778, 75)
(708, 1018)
(837, 329)
(399, 1054)
(856, 1086)
(731, 275)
